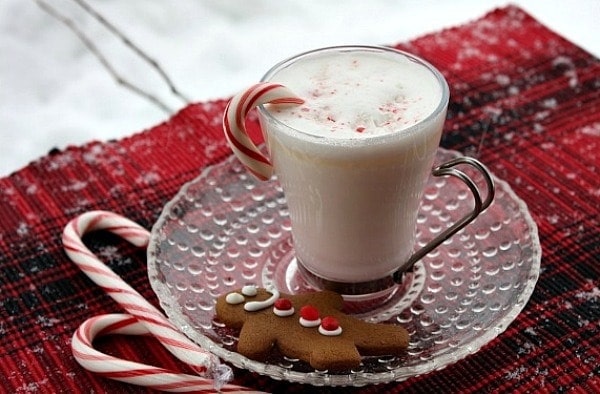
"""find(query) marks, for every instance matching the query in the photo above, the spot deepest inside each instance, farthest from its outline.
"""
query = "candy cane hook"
(234, 124)
(142, 318)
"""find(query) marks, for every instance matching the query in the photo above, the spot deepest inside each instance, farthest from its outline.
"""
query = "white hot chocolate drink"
(354, 158)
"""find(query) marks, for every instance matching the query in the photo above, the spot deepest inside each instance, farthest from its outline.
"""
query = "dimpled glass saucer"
(225, 229)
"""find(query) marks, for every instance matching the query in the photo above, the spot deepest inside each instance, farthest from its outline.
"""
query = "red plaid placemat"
(524, 101)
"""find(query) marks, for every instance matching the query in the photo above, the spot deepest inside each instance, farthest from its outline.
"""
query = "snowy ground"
(54, 92)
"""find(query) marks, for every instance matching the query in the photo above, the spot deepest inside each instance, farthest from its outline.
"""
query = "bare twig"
(96, 52)
(127, 41)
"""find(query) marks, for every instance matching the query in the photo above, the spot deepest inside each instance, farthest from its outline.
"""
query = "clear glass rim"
(442, 105)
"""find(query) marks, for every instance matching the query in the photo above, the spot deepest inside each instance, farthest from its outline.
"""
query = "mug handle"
(449, 169)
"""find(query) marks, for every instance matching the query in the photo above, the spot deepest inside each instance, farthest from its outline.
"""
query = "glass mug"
(352, 133)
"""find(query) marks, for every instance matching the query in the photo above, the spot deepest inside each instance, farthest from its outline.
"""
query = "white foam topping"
(357, 95)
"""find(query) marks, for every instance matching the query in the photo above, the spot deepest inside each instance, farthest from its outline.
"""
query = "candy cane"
(128, 371)
(143, 318)
(235, 128)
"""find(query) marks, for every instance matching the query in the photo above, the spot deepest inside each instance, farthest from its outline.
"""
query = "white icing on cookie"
(309, 323)
(234, 298)
(332, 333)
(255, 306)
(249, 290)
(284, 312)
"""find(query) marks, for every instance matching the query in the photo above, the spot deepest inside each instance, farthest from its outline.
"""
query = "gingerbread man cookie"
(309, 327)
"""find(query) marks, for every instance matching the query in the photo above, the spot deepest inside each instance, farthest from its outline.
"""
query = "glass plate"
(225, 229)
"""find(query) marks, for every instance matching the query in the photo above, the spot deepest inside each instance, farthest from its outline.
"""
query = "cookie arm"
(324, 299)
(255, 340)
(335, 355)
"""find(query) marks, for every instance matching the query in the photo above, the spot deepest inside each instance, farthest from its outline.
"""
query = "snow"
(55, 93)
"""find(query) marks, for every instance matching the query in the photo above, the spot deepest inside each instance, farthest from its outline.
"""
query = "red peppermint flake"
(283, 304)
(330, 323)
(360, 129)
(309, 312)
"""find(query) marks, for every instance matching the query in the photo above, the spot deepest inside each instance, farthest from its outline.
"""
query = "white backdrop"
(55, 93)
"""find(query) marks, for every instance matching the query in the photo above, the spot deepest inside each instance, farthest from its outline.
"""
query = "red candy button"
(283, 304)
(309, 312)
(330, 323)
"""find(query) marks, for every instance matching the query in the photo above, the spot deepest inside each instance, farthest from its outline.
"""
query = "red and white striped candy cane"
(143, 318)
(234, 124)
(124, 370)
